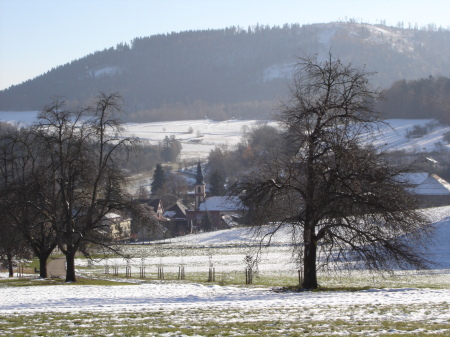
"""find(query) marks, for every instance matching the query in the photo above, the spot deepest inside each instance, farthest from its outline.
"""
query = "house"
(156, 210)
(175, 220)
(431, 190)
(117, 226)
(218, 212)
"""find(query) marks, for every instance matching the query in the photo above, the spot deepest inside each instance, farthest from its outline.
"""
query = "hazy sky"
(37, 35)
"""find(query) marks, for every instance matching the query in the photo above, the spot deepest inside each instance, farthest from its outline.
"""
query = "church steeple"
(200, 190)
(199, 176)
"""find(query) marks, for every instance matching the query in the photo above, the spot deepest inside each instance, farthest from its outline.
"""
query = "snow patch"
(278, 71)
(106, 71)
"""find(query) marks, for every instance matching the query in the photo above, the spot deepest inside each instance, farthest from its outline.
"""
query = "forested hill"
(232, 72)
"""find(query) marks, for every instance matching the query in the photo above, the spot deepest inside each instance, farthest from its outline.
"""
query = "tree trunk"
(43, 257)
(309, 261)
(43, 266)
(10, 265)
(70, 267)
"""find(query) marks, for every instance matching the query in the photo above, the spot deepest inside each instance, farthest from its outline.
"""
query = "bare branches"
(66, 170)
(329, 182)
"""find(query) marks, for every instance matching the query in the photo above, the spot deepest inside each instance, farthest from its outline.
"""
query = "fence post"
(248, 276)
(300, 278)
(181, 274)
(20, 269)
(212, 274)
(160, 273)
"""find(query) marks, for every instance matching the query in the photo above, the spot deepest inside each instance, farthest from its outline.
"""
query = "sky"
(38, 35)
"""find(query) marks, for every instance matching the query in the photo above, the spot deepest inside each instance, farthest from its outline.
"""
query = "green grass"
(26, 282)
(213, 321)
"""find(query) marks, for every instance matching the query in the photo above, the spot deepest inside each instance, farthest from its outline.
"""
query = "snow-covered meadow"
(407, 302)
(207, 134)
(199, 137)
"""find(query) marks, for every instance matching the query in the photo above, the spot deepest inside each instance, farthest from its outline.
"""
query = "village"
(211, 169)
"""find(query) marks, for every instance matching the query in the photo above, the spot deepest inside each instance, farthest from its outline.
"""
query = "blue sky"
(37, 35)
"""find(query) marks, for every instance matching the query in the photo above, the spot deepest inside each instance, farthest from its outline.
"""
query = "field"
(108, 302)
(348, 303)
(200, 136)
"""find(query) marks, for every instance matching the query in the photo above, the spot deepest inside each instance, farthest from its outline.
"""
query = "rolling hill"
(232, 72)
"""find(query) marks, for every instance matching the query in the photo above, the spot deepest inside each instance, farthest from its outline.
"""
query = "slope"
(230, 72)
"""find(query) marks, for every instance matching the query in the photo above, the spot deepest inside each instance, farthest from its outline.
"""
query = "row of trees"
(60, 178)
(424, 98)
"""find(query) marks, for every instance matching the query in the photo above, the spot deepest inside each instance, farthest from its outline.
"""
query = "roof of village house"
(414, 178)
(427, 184)
(223, 204)
(176, 211)
(433, 185)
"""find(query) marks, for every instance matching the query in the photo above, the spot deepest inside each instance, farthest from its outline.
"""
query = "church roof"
(223, 204)
(199, 178)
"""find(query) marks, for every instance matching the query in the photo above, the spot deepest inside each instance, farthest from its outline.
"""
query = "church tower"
(200, 187)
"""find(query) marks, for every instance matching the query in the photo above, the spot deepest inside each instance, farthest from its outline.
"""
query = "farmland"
(348, 303)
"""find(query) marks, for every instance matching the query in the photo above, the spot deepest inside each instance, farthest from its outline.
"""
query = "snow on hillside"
(22, 117)
(199, 137)
(394, 136)
(207, 134)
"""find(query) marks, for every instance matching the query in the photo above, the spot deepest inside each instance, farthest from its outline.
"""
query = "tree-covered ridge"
(231, 72)
(427, 97)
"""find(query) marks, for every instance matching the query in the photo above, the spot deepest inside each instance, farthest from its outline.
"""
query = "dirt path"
(57, 267)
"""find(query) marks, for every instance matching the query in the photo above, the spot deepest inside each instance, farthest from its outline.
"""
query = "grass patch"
(213, 322)
(323, 289)
(27, 282)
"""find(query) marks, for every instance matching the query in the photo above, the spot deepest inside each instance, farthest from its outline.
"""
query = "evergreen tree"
(217, 184)
(159, 179)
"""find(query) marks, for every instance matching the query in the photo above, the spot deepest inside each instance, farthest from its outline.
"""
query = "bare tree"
(11, 242)
(329, 183)
(22, 174)
(85, 174)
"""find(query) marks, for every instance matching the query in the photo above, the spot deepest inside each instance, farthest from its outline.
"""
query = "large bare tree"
(23, 181)
(82, 147)
(326, 181)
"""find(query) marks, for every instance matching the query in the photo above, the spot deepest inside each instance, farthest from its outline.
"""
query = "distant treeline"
(425, 98)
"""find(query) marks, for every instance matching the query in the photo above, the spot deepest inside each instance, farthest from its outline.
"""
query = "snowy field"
(405, 303)
(199, 137)
(208, 134)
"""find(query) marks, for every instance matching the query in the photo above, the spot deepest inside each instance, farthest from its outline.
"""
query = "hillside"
(208, 134)
(232, 72)
(199, 137)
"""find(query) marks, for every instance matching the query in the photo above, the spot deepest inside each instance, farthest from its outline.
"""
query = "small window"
(199, 190)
